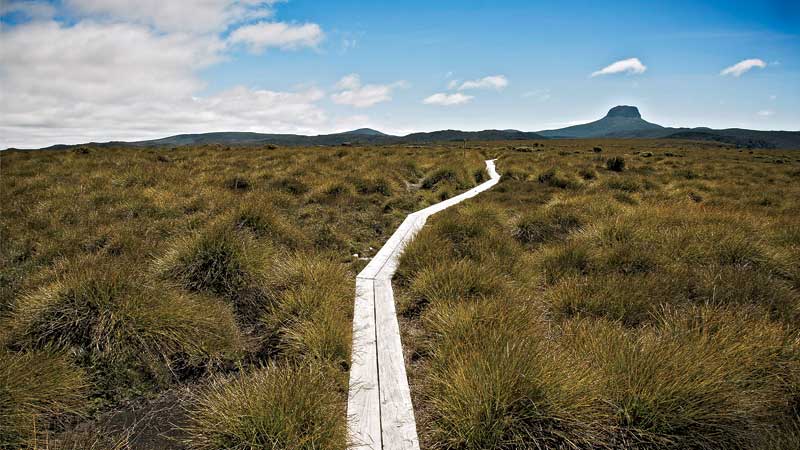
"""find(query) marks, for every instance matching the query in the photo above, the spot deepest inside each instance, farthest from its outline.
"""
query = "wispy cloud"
(743, 66)
(443, 99)
(353, 93)
(539, 94)
(176, 15)
(765, 113)
(497, 82)
(263, 35)
(630, 66)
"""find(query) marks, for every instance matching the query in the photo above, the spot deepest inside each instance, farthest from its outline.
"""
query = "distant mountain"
(485, 135)
(366, 132)
(621, 121)
(360, 136)
(627, 122)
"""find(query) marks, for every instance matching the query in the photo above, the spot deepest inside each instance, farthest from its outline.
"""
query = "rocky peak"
(624, 111)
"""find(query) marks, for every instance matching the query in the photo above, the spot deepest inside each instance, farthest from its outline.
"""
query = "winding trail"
(380, 415)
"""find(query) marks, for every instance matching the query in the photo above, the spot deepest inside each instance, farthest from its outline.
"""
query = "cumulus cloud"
(630, 66)
(443, 99)
(353, 93)
(263, 35)
(176, 15)
(108, 81)
(497, 82)
(743, 66)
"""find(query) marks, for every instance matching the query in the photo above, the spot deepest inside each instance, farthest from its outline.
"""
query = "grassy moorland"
(197, 297)
(636, 295)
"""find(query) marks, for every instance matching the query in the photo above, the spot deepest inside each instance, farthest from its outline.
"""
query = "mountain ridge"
(621, 122)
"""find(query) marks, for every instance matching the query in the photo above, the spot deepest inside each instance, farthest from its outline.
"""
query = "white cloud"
(497, 82)
(263, 35)
(352, 81)
(443, 99)
(630, 66)
(353, 93)
(765, 113)
(743, 66)
(105, 81)
(176, 15)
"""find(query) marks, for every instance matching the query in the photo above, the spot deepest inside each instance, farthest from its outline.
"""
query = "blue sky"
(80, 70)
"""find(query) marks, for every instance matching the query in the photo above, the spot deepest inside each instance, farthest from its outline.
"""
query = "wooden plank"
(363, 403)
(379, 408)
(398, 427)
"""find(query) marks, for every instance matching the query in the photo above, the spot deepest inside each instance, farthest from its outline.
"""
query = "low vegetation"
(646, 297)
(620, 294)
(195, 297)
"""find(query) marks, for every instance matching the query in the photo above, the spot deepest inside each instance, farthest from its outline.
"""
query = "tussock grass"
(311, 311)
(492, 382)
(158, 269)
(39, 391)
(273, 407)
(121, 329)
(542, 226)
(648, 306)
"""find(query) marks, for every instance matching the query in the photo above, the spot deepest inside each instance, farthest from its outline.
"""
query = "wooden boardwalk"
(380, 415)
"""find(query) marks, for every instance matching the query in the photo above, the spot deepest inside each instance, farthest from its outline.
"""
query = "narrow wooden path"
(380, 415)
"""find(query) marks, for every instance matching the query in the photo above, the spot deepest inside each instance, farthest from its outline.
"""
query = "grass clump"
(277, 406)
(615, 164)
(266, 221)
(695, 383)
(373, 186)
(39, 390)
(542, 226)
(491, 383)
(310, 314)
(119, 327)
(218, 261)
(463, 280)
(553, 178)
(655, 322)
(446, 176)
